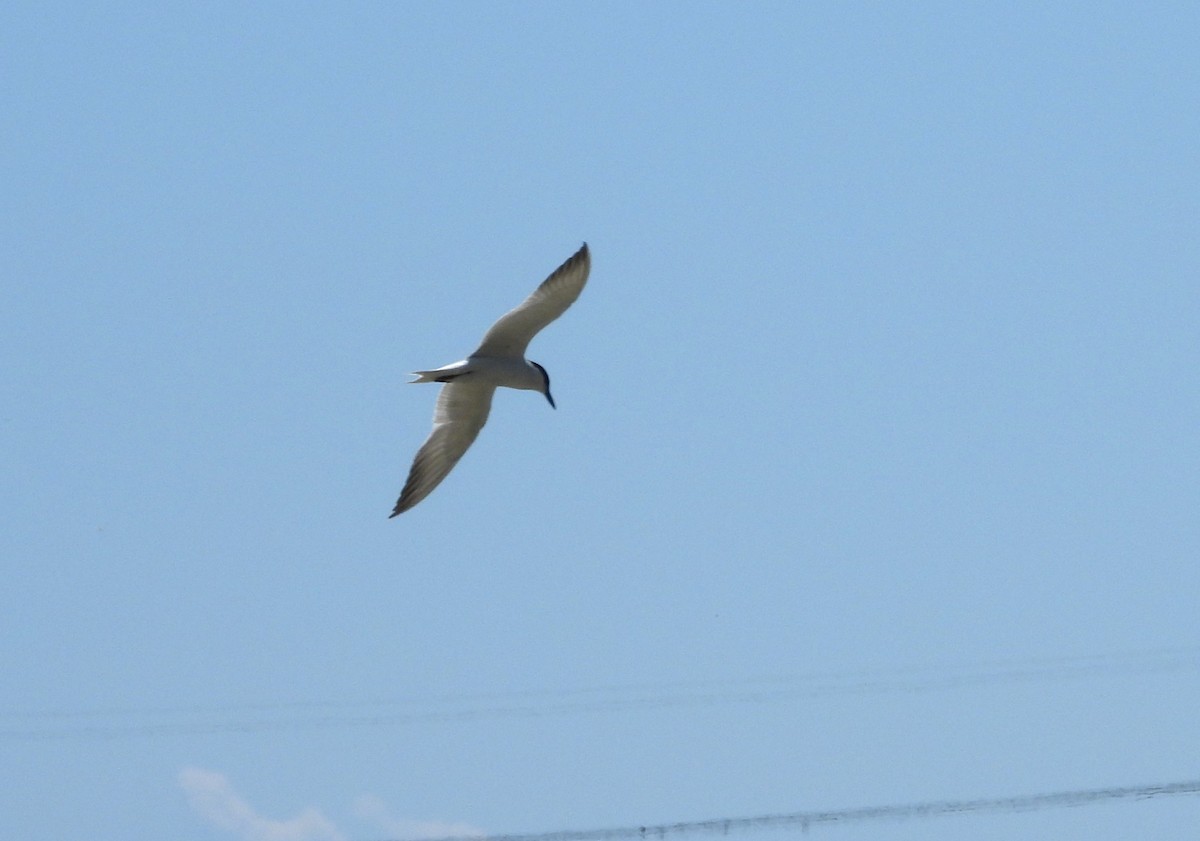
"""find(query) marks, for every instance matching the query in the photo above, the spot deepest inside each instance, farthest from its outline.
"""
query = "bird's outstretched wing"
(516, 328)
(462, 410)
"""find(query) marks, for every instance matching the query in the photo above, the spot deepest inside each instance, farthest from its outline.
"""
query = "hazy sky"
(875, 474)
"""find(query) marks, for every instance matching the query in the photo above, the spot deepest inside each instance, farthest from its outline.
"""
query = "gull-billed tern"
(462, 407)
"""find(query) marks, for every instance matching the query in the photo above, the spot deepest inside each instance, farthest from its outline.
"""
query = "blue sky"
(874, 477)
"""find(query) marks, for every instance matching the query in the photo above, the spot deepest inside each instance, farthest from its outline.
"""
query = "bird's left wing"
(512, 333)
(462, 410)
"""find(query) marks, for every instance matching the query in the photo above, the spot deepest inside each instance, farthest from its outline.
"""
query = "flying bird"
(466, 398)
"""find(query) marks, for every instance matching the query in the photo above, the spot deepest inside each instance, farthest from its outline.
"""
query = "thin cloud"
(213, 798)
(371, 809)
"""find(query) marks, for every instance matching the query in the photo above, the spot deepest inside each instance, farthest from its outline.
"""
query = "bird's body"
(466, 398)
(493, 370)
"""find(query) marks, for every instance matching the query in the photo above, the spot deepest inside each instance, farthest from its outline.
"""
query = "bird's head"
(545, 383)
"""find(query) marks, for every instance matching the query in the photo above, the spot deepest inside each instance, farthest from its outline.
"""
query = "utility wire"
(198, 720)
(809, 820)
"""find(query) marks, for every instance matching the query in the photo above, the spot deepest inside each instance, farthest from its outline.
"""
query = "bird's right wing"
(462, 410)
(516, 328)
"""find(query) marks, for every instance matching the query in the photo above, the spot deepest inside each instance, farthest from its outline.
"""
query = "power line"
(256, 718)
(809, 820)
